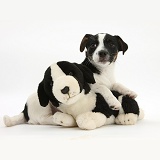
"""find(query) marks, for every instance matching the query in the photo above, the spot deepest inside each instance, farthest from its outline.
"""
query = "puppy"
(101, 54)
(66, 86)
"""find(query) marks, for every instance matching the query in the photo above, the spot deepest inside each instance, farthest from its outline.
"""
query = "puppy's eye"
(111, 45)
(93, 45)
(70, 73)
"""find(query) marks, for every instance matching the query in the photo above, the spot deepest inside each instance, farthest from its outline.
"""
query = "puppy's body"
(101, 55)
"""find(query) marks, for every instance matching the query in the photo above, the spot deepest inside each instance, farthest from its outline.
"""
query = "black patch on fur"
(80, 72)
(91, 45)
(103, 107)
(87, 73)
(112, 45)
(71, 69)
(45, 90)
(87, 63)
(88, 77)
(116, 94)
(130, 105)
(42, 96)
(25, 112)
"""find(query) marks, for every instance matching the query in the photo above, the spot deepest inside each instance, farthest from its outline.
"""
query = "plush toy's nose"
(65, 90)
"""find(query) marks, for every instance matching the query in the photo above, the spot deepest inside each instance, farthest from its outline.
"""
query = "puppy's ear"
(87, 73)
(122, 46)
(43, 98)
(84, 42)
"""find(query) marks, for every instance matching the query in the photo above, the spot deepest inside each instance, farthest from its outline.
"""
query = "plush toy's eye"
(71, 73)
(51, 84)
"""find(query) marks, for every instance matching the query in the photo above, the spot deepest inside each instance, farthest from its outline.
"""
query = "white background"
(37, 33)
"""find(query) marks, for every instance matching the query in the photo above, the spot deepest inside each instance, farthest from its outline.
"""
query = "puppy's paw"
(126, 119)
(114, 104)
(131, 94)
(64, 119)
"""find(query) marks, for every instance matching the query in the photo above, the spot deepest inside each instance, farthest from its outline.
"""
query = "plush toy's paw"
(90, 120)
(141, 114)
(64, 119)
(7, 121)
(131, 94)
(33, 122)
(126, 119)
(85, 123)
(114, 104)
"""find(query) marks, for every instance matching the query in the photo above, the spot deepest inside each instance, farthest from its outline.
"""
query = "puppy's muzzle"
(102, 54)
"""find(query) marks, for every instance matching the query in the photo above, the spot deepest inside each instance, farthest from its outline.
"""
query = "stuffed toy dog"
(66, 86)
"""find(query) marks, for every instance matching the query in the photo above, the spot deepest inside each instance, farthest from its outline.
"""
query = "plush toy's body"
(66, 86)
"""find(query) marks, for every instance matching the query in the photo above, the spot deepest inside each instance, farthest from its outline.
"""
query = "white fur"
(107, 94)
(11, 121)
(100, 47)
(126, 119)
(110, 120)
(84, 104)
(74, 89)
(90, 120)
(141, 114)
(37, 114)
(64, 119)
(123, 90)
(56, 72)
(81, 112)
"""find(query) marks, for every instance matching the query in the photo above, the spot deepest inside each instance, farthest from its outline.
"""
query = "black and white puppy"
(101, 54)
(66, 86)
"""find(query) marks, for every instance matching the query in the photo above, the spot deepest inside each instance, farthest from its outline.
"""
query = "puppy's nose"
(65, 90)
(102, 54)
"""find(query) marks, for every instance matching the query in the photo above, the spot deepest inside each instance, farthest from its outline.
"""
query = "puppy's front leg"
(107, 95)
(124, 90)
(64, 119)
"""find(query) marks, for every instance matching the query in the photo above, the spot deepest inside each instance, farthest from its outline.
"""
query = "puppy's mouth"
(103, 60)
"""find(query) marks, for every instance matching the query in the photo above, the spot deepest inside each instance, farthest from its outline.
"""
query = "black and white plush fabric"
(67, 86)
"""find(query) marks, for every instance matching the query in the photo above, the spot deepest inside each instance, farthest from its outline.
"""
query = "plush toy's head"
(64, 82)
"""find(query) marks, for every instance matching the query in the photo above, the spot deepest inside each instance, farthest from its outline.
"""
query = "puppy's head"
(64, 82)
(102, 49)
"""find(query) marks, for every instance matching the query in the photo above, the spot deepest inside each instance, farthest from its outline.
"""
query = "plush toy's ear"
(122, 46)
(84, 42)
(88, 77)
(87, 73)
(43, 98)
